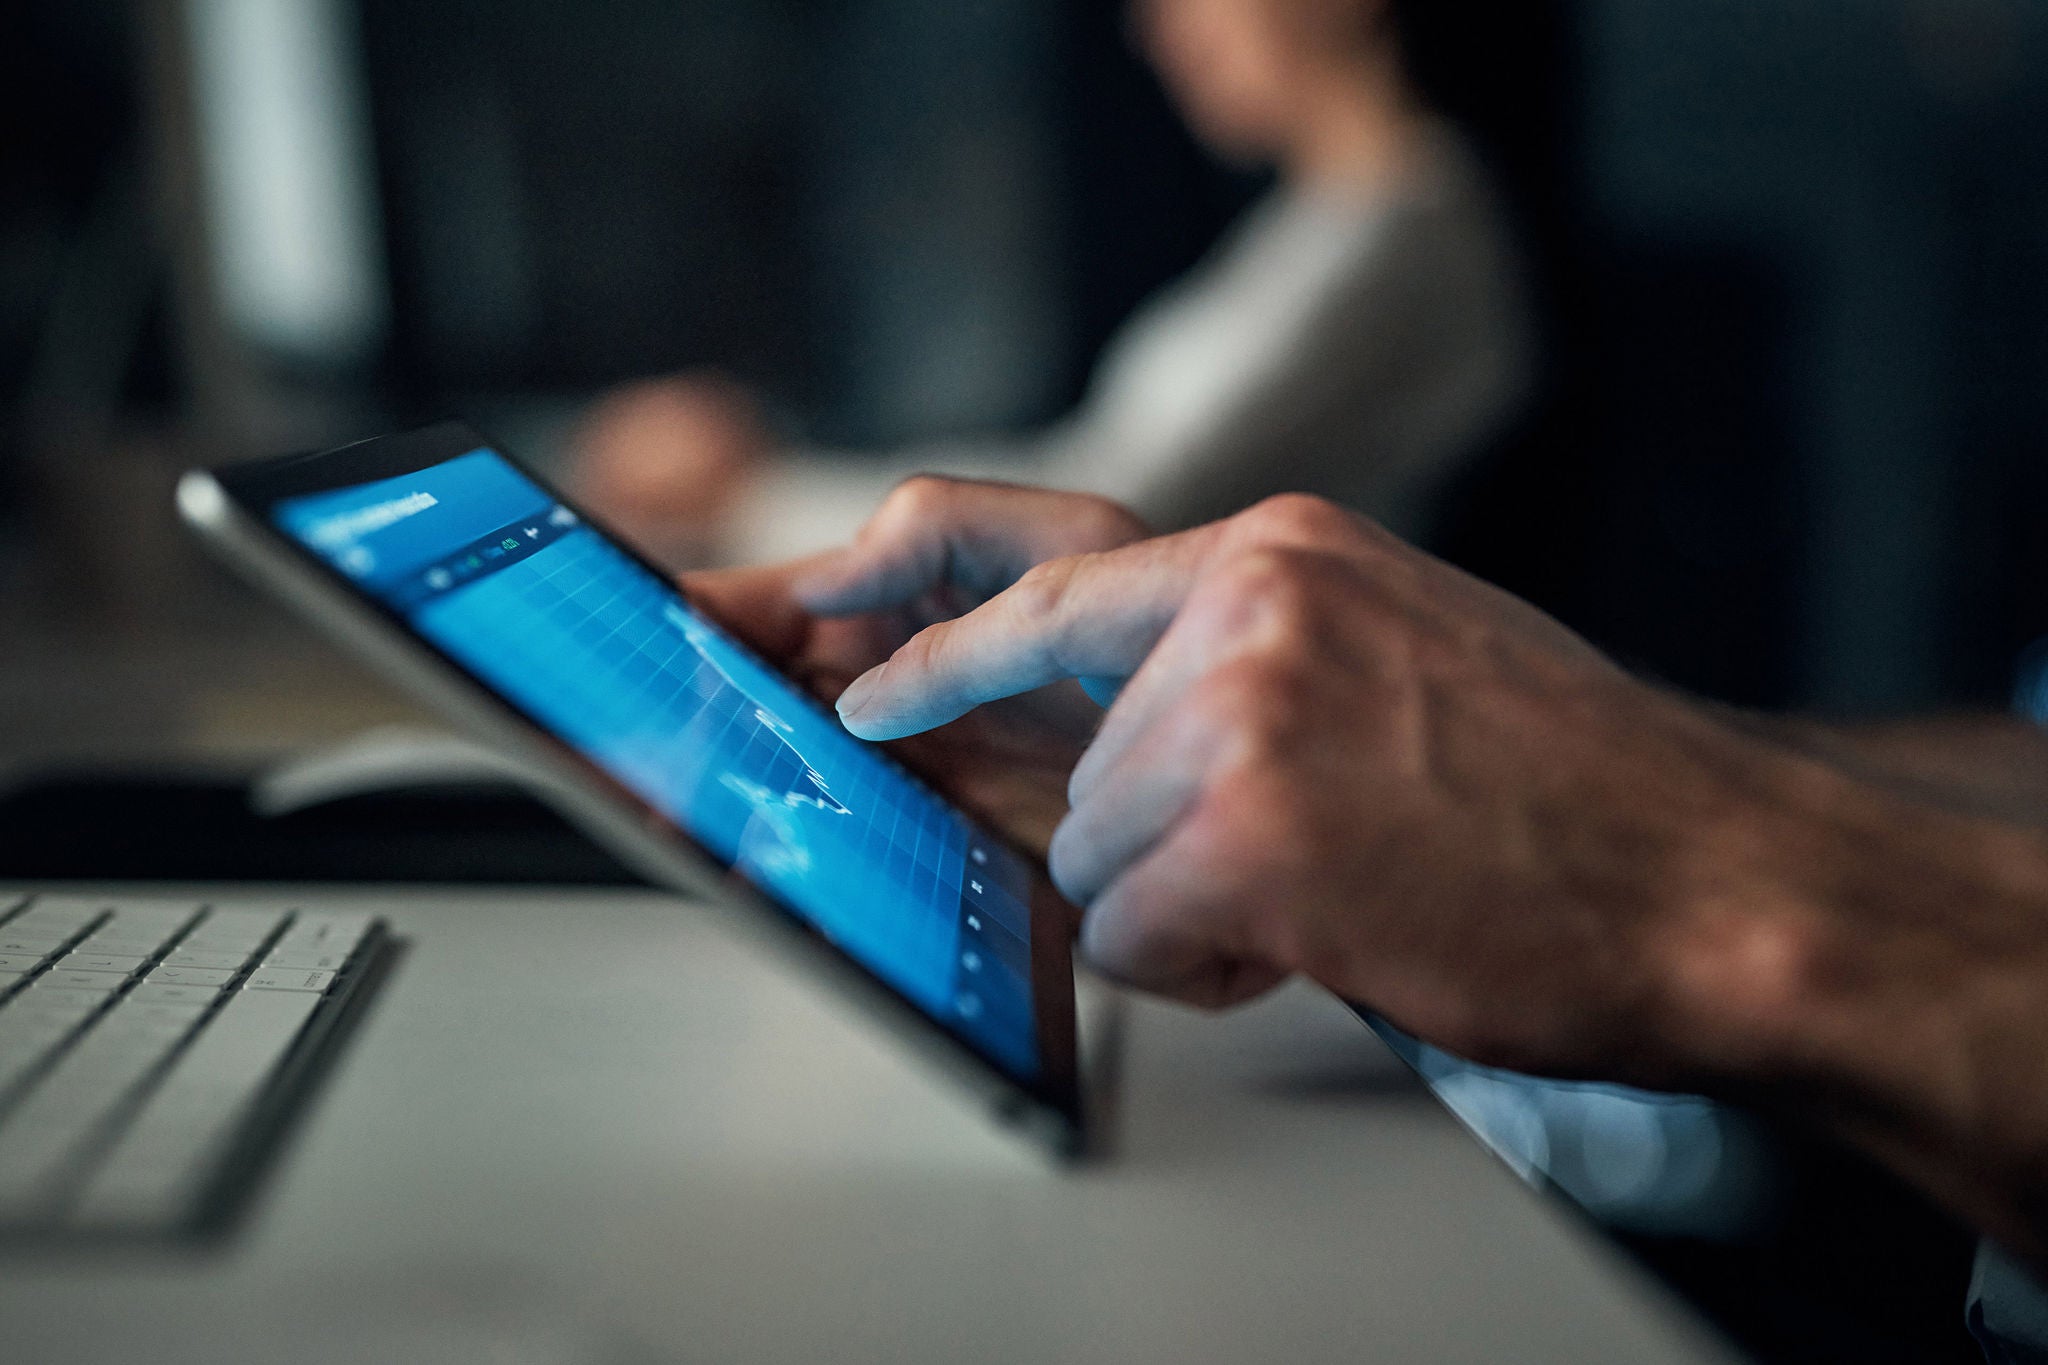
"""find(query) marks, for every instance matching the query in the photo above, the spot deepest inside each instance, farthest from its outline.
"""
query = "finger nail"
(859, 693)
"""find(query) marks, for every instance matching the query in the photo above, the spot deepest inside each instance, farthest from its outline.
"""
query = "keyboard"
(151, 1051)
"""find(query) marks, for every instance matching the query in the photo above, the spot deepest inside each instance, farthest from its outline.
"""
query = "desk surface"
(591, 1126)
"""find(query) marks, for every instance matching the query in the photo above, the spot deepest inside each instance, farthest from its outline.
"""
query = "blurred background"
(1787, 262)
(1766, 383)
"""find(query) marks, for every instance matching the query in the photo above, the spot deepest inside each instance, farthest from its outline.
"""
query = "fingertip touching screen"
(511, 585)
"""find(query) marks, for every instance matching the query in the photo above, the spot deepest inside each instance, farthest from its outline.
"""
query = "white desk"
(589, 1127)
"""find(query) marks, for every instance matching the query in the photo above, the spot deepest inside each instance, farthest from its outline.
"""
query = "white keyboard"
(151, 1049)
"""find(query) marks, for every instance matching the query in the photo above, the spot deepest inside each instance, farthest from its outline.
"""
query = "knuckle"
(1286, 588)
(1039, 596)
(1299, 519)
(924, 501)
(923, 652)
(1102, 524)
(918, 496)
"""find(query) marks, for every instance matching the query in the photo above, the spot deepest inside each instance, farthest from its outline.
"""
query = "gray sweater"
(1355, 348)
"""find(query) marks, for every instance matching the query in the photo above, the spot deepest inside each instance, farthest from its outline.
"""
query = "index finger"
(1086, 616)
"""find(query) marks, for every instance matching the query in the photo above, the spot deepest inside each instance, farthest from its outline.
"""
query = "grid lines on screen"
(604, 655)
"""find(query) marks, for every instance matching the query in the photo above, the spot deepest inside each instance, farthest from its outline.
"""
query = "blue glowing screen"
(608, 657)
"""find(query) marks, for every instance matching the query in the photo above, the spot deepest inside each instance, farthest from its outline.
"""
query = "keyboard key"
(23, 930)
(238, 926)
(121, 945)
(284, 979)
(41, 1136)
(29, 1170)
(74, 910)
(152, 992)
(119, 1097)
(328, 931)
(84, 907)
(148, 1176)
(22, 1052)
(84, 981)
(156, 1183)
(286, 960)
(146, 1014)
(54, 998)
(154, 920)
(129, 942)
(32, 1042)
(244, 914)
(27, 1017)
(76, 961)
(16, 1067)
(47, 1132)
(126, 1052)
(190, 976)
(239, 948)
(215, 930)
(189, 957)
(145, 910)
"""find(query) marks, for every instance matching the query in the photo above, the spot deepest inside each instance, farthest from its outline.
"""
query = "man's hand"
(927, 555)
(1329, 754)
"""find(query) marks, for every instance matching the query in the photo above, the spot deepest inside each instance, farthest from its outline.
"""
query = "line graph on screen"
(774, 839)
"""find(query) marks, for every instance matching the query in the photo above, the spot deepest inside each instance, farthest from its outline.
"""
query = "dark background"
(1792, 257)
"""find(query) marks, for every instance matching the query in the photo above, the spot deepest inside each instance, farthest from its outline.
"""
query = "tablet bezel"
(232, 509)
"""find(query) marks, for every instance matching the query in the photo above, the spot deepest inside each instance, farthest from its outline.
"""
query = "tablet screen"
(511, 584)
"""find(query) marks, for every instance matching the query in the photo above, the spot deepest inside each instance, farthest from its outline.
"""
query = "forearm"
(1882, 972)
(1974, 764)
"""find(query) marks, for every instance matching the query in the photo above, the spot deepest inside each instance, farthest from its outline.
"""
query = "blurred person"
(1358, 334)
(1327, 754)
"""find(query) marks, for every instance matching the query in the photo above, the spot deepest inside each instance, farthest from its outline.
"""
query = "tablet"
(479, 587)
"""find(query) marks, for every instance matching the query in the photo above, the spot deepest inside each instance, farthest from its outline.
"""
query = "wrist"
(1878, 968)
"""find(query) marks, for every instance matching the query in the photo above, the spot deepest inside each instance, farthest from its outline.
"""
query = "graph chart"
(704, 731)
(604, 656)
